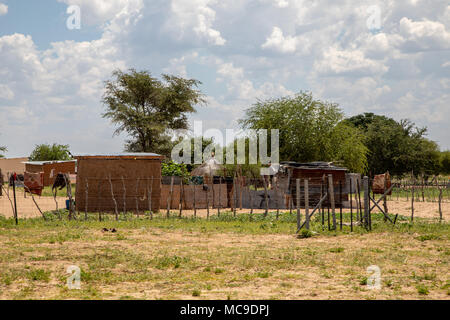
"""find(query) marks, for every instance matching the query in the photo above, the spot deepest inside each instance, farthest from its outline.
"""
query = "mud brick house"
(127, 178)
(12, 165)
(50, 169)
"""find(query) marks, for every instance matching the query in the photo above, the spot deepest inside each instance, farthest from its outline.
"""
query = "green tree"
(310, 130)
(397, 147)
(46, 152)
(445, 162)
(147, 108)
(2, 149)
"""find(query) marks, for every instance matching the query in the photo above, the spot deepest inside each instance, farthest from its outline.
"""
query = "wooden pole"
(412, 203)
(124, 197)
(440, 206)
(220, 189)
(149, 196)
(351, 204)
(321, 209)
(307, 204)
(276, 198)
(333, 205)
(385, 198)
(297, 192)
(116, 210)
(266, 198)
(358, 203)
(234, 195)
(137, 196)
(195, 206)
(207, 202)
(169, 198)
(366, 201)
(251, 198)
(181, 197)
(1, 183)
(340, 205)
(99, 201)
(86, 200)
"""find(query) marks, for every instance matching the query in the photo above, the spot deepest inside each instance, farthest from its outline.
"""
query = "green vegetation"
(397, 147)
(146, 108)
(46, 152)
(310, 130)
(221, 258)
(2, 149)
(171, 168)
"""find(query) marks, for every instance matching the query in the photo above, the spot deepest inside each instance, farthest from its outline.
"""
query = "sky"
(387, 57)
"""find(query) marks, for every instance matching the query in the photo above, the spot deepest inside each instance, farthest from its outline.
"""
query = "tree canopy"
(147, 108)
(2, 149)
(47, 152)
(397, 147)
(310, 130)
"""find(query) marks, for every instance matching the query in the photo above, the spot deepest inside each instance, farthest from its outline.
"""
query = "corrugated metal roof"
(125, 154)
(312, 165)
(40, 163)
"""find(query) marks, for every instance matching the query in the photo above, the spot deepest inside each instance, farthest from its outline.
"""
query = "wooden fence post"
(412, 203)
(366, 201)
(207, 202)
(266, 197)
(87, 199)
(306, 204)
(340, 205)
(333, 205)
(220, 191)
(195, 206)
(234, 195)
(385, 198)
(440, 206)
(116, 210)
(124, 197)
(169, 197)
(149, 197)
(297, 191)
(181, 197)
(351, 204)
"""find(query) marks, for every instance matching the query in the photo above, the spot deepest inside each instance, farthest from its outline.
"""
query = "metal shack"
(317, 175)
(124, 180)
(50, 169)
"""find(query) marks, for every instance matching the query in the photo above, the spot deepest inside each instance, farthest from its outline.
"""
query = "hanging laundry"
(34, 182)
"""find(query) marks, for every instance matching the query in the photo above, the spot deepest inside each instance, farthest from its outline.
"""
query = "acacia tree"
(147, 108)
(310, 130)
(46, 152)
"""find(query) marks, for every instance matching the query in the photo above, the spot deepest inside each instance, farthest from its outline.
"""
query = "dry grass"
(221, 259)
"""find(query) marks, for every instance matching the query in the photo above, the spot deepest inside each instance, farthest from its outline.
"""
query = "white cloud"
(101, 11)
(196, 16)
(3, 9)
(336, 61)
(424, 35)
(278, 42)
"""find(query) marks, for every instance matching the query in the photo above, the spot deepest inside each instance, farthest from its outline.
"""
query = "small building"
(50, 169)
(317, 175)
(124, 180)
(12, 165)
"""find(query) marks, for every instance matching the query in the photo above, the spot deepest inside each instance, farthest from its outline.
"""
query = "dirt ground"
(27, 208)
(155, 261)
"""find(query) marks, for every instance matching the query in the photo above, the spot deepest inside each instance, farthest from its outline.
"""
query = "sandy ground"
(27, 209)
(226, 265)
